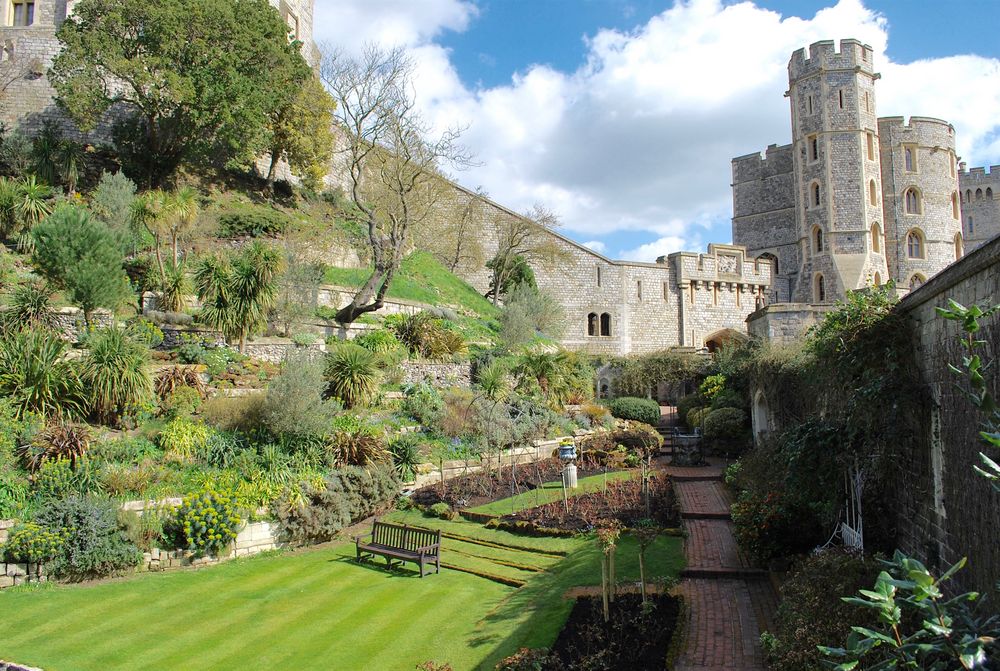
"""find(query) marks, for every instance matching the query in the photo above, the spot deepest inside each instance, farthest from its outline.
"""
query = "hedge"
(643, 410)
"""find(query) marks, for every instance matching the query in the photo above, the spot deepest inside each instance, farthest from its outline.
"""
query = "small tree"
(521, 241)
(528, 312)
(80, 255)
(646, 532)
(607, 539)
(237, 291)
(111, 202)
(302, 133)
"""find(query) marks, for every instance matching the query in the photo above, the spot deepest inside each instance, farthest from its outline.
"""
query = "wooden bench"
(402, 542)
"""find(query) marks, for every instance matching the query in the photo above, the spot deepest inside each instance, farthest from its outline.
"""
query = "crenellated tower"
(836, 170)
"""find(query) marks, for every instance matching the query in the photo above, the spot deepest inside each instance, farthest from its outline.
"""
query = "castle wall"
(934, 177)
(980, 193)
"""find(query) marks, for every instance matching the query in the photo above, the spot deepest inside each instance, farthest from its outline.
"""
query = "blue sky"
(621, 115)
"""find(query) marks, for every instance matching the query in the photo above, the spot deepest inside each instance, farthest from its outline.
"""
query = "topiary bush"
(206, 522)
(644, 410)
(725, 424)
(32, 543)
(688, 403)
(94, 543)
(696, 417)
(442, 510)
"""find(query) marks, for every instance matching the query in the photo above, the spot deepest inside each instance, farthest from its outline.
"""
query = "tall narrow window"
(989, 193)
(912, 201)
(817, 239)
(666, 291)
(954, 205)
(819, 289)
(872, 193)
(968, 195)
(876, 238)
(605, 324)
(598, 276)
(638, 289)
(877, 280)
(813, 148)
(815, 195)
(959, 247)
(979, 194)
(870, 139)
(592, 325)
(915, 244)
(841, 92)
(23, 12)
(715, 293)
(970, 226)
(910, 159)
(809, 104)
(951, 165)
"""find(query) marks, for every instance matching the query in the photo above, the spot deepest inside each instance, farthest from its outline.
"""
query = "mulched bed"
(623, 501)
(486, 486)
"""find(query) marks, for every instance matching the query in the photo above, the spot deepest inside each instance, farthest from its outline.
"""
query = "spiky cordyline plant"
(57, 441)
(170, 379)
(30, 307)
(174, 288)
(353, 374)
(35, 375)
(116, 373)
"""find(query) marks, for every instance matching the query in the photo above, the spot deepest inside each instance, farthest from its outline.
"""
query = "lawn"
(549, 492)
(318, 609)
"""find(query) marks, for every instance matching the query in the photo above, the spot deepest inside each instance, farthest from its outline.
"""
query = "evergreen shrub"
(643, 410)
(725, 424)
(206, 522)
(94, 545)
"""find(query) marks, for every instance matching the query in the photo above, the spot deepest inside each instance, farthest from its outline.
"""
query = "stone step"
(722, 572)
(706, 516)
(697, 477)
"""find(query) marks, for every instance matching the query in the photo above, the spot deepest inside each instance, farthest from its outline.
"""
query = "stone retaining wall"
(437, 374)
(11, 666)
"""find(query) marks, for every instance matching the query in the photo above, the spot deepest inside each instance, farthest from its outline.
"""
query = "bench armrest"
(357, 539)
(428, 547)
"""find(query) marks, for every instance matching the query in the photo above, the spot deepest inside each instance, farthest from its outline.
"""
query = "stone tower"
(922, 206)
(836, 170)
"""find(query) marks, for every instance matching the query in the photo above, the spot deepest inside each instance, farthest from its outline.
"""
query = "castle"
(853, 201)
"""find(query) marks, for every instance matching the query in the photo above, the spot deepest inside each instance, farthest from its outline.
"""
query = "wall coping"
(974, 262)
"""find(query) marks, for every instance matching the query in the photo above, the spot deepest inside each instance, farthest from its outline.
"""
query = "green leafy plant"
(405, 451)
(169, 380)
(378, 341)
(361, 446)
(725, 424)
(712, 386)
(32, 543)
(353, 375)
(57, 441)
(918, 626)
(643, 410)
(55, 479)
(442, 510)
(115, 372)
(94, 544)
(182, 402)
(254, 223)
(182, 438)
(30, 307)
(37, 377)
(207, 521)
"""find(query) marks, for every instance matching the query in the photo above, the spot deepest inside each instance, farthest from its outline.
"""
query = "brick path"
(729, 602)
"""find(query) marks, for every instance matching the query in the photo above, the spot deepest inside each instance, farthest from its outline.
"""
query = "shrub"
(528, 312)
(770, 525)
(442, 510)
(696, 417)
(725, 424)
(643, 410)
(811, 612)
(206, 522)
(294, 404)
(728, 398)
(405, 451)
(304, 339)
(423, 403)
(234, 413)
(115, 373)
(30, 306)
(124, 450)
(57, 441)
(348, 494)
(424, 335)
(352, 373)
(146, 332)
(686, 404)
(94, 544)
(182, 438)
(360, 446)
(32, 543)
(55, 479)
(379, 341)
(254, 223)
(173, 378)
(36, 376)
(595, 414)
(145, 530)
(182, 402)
(526, 659)
(639, 438)
(125, 479)
(712, 386)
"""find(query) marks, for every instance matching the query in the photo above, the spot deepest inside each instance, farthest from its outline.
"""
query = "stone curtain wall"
(785, 323)
(946, 510)
(980, 192)
(436, 374)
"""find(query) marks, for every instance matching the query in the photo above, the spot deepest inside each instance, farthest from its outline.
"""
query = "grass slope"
(318, 609)
(547, 493)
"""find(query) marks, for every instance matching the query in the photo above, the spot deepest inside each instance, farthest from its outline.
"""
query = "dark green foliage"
(810, 614)
(116, 373)
(82, 256)
(200, 77)
(527, 313)
(638, 374)
(255, 223)
(643, 410)
(728, 398)
(349, 494)
(516, 273)
(688, 403)
(725, 424)
(36, 377)
(30, 307)
(95, 545)
(352, 374)
(405, 451)
(770, 525)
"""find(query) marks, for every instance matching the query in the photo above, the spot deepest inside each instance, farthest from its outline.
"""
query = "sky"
(622, 116)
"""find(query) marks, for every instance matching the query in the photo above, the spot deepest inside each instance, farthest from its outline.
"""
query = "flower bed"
(622, 500)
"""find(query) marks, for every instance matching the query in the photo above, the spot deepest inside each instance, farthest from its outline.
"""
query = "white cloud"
(596, 245)
(640, 137)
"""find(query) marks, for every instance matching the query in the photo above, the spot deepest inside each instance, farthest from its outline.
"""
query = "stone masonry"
(980, 193)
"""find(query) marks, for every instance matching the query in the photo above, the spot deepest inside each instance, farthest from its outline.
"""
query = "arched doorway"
(720, 339)
(760, 417)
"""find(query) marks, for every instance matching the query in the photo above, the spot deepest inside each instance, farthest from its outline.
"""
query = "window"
(592, 324)
(605, 324)
(809, 104)
(959, 247)
(951, 165)
(912, 201)
(910, 158)
(970, 227)
(819, 288)
(813, 148)
(817, 239)
(598, 276)
(917, 281)
(638, 289)
(24, 12)
(815, 195)
(872, 193)
(989, 193)
(877, 280)
(979, 194)
(841, 93)
(915, 244)
(666, 291)
(868, 101)
(876, 238)
(954, 205)
(870, 138)
(968, 196)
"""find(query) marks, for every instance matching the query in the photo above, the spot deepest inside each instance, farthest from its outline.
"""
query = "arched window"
(915, 244)
(876, 238)
(877, 280)
(989, 193)
(592, 325)
(817, 239)
(871, 141)
(968, 195)
(814, 194)
(912, 200)
(959, 247)
(910, 159)
(979, 194)
(872, 193)
(954, 205)
(605, 324)
(917, 281)
(970, 227)
(819, 288)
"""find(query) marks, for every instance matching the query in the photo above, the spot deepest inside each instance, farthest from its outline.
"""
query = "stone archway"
(720, 339)
(760, 416)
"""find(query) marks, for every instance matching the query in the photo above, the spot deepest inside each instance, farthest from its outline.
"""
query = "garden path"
(729, 602)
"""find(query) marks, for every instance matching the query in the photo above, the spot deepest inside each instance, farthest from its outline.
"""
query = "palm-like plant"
(57, 441)
(116, 373)
(30, 307)
(183, 210)
(149, 212)
(36, 376)
(23, 203)
(175, 377)
(237, 292)
(71, 157)
(45, 153)
(175, 287)
(353, 375)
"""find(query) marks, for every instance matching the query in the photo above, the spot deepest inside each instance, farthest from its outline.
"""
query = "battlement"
(916, 122)
(981, 174)
(775, 160)
(823, 55)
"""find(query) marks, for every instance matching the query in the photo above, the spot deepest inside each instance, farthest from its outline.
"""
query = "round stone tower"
(923, 224)
(836, 169)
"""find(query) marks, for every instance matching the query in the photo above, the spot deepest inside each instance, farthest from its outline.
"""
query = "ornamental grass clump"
(207, 522)
(353, 375)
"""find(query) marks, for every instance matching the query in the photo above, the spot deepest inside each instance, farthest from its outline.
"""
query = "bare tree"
(529, 237)
(391, 159)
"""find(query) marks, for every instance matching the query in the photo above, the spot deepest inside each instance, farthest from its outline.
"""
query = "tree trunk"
(604, 586)
(173, 243)
(276, 153)
(642, 574)
(611, 574)
(367, 299)
(243, 341)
